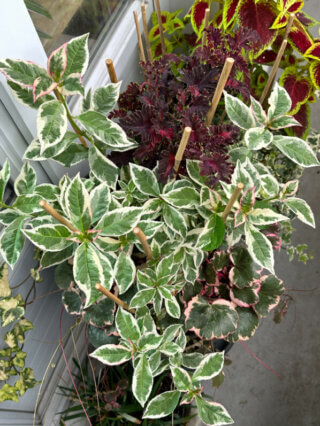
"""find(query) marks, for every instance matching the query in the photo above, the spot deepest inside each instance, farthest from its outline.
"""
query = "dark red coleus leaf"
(303, 117)
(299, 37)
(306, 20)
(258, 17)
(230, 10)
(315, 73)
(198, 13)
(298, 87)
(267, 57)
(295, 7)
(313, 52)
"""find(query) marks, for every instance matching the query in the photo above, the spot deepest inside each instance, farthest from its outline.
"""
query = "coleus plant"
(137, 257)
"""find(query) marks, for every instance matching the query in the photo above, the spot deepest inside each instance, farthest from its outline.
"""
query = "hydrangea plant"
(155, 269)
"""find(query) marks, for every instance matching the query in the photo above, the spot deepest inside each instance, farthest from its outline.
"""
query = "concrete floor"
(253, 395)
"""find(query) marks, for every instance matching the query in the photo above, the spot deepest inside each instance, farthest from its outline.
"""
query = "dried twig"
(143, 240)
(220, 87)
(206, 24)
(146, 31)
(274, 71)
(163, 45)
(112, 71)
(114, 298)
(232, 200)
(140, 43)
(49, 209)
(182, 146)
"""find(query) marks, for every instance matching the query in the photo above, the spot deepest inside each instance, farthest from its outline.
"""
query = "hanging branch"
(274, 71)
(140, 43)
(232, 200)
(57, 215)
(143, 240)
(182, 147)
(114, 298)
(112, 71)
(146, 31)
(163, 45)
(220, 87)
(206, 24)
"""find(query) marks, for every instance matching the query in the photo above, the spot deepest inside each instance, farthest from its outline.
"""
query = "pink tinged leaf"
(258, 17)
(246, 297)
(299, 38)
(298, 87)
(313, 52)
(239, 218)
(57, 62)
(303, 117)
(192, 303)
(41, 87)
(248, 199)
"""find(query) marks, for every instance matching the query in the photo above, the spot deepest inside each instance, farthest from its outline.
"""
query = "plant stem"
(57, 215)
(70, 118)
(114, 298)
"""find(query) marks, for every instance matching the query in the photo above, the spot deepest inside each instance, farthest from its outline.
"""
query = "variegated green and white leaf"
(210, 367)
(258, 111)
(142, 381)
(26, 180)
(127, 325)
(125, 272)
(24, 95)
(238, 112)
(73, 154)
(270, 184)
(265, 217)
(49, 237)
(103, 168)
(194, 172)
(269, 295)
(279, 101)
(12, 241)
(57, 62)
(106, 131)
(258, 138)
(4, 178)
(51, 124)
(77, 55)
(100, 199)
(145, 180)
(105, 98)
(297, 150)
(162, 405)
(119, 221)
(112, 354)
(259, 247)
(21, 72)
(173, 307)
(77, 202)
(149, 341)
(184, 197)
(213, 413)
(142, 298)
(181, 379)
(28, 203)
(72, 85)
(302, 210)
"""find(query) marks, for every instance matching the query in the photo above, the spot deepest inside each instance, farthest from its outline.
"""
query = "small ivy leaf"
(245, 297)
(162, 405)
(269, 294)
(77, 202)
(247, 325)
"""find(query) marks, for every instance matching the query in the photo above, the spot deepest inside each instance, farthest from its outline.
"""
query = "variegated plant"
(155, 270)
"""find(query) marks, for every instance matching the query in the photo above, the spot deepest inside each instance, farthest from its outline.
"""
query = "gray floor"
(254, 395)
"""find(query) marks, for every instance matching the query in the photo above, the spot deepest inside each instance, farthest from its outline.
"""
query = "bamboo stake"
(182, 147)
(146, 31)
(163, 45)
(289, 25)
(206, 24)
(140, 43)
(232, 200)
(114, 298)
(112, 71)
(57, 215)
(220, 87)
(143, 240)
(274, 71)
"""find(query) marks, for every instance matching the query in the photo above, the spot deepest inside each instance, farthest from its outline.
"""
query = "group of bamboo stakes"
(187, 131)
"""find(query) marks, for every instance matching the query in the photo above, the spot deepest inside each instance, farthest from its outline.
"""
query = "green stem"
(70, 118)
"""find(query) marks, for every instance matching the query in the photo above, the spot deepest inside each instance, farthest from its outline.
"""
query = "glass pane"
(57, 21)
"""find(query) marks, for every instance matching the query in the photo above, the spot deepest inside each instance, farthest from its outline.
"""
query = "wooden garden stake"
(140, 43)
(163, 45)
(112, 71)
(182, 147)
(206, 23)
(146, 31)
(232, 200)
(57, 215)
(289, 25)
(274, 70)
(114, 298)
(143, 240)
(220, 87)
